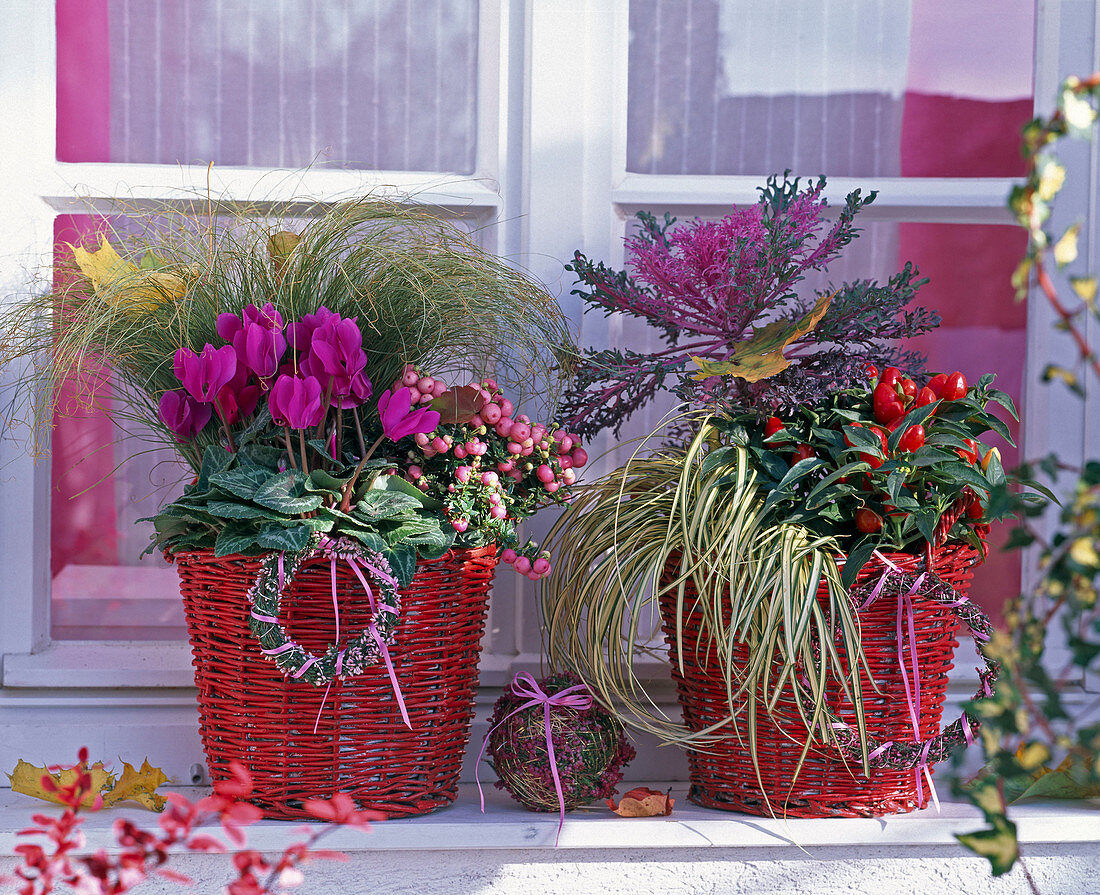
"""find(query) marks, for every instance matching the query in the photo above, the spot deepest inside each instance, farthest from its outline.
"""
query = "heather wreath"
(725, 296)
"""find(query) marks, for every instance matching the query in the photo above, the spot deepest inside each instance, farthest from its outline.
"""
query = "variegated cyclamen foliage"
(695, 515)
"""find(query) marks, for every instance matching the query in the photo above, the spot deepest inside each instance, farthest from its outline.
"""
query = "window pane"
(848, 88)
(389, 84)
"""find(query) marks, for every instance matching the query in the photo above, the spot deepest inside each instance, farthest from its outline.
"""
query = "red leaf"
(458, 405)
(643, 802)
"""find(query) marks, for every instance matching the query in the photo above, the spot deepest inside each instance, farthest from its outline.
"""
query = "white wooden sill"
(507, 825)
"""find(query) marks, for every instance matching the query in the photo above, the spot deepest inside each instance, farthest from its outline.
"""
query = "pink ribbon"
(523, 685)
(382, 648)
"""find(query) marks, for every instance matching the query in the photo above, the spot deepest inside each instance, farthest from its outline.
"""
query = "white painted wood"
(960, 200)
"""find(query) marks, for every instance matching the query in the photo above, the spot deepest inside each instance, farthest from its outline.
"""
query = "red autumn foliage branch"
(143, 853)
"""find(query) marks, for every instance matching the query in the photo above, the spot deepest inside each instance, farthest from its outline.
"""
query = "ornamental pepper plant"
(893, 464)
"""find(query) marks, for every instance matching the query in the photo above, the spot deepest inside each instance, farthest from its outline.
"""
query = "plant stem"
(359, 432)
(289, 449)
(349, 488)
(302, 442)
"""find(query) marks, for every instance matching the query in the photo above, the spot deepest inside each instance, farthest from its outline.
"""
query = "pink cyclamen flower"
(183, 414)
(296, 402)
(337, 359)
(399, 419)
(257, 338)
(205, 374)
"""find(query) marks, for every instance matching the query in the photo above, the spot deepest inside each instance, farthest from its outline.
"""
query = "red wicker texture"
(250, 713)
(723, 776)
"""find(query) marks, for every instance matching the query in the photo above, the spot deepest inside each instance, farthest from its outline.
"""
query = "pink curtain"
(83, 506)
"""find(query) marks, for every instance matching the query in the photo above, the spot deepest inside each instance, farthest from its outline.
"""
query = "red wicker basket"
(723, 774)
(250, 713)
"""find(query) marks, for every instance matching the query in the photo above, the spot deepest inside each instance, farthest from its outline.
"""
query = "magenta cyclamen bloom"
(183, 414)
(397, 420)
(257, 337)
(207, 373)
(301, 333)
(296, 402)
(337, 359)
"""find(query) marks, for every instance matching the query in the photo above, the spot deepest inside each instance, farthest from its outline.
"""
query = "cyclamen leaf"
(286, 493)
(279, 537)
(242, 481)
(377, 505)
(229, 510)
(402, 562)
(237, 537)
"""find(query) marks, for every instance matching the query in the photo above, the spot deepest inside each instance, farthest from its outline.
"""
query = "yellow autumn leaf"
(133, 786)
(1065, 250)
(762, 355)
(1084, 552)
(27, 779)
(121, 283)
(1078, 112)
(1032, 756)
(1052, 177)
(1085, 287)
(138, 786)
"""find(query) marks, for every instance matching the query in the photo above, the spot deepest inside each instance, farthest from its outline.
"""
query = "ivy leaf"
(762, 356)
(997, 845)
(287, 493)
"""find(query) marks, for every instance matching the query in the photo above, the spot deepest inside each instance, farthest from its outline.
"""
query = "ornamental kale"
(723, 293)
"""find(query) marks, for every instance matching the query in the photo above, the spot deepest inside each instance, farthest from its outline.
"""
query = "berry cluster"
(490, 466)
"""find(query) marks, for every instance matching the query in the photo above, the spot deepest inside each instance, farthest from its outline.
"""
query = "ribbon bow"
(523, 685)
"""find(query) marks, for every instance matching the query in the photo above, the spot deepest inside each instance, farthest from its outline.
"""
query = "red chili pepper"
(885, 403)
(936, 383)
(970, 455)
(889, 376)
(926, 396)
(870, 371)
(912, 440)
(909, 389)
(868, 521)
(803, 452)
(955, 387)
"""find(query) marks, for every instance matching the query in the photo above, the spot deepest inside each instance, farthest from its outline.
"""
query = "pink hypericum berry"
(439, 388)
(520, 431)
(551, 487)
(533, 576)
(485, 396)
(508, 555)
(462, 473)
(569, 476)
(416, 395)
(491, 413)
(498, 512)
(425, 384)
(410, 377)
(475, 422)
(544, 474)
(538, 433)
(506, 407)
(415, 472)
(580, 456)
(495, 498)
(451, 489)
(421, 439)
(460, 452)
(565, 443)
(566, 461)
(489, 478)
(522, 564)
(506, 466)
(514, 448)
(541, 565)
(460, 525)
(426, 398)
(439, 445)
(490, 384)
(503, 427)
